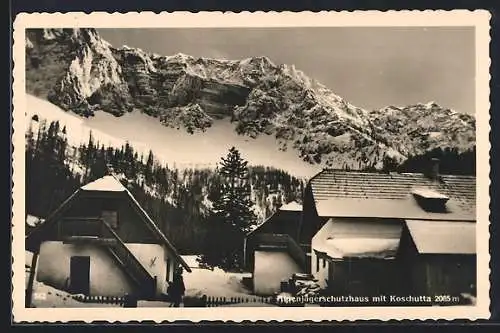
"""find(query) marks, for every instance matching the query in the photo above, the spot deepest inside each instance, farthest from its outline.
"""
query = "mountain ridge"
(79, 71)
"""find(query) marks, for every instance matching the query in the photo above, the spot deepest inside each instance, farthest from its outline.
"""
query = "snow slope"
(171, 146)
(277, 104)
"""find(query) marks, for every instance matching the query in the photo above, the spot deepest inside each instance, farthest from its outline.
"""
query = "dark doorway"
(80, 275)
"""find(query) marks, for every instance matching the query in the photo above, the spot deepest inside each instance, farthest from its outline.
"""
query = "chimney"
(434, 169)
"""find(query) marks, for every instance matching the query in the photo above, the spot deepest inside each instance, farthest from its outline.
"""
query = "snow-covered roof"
(292, 206)
(106, 183)
(360, 238)
(362, 189)
(443, 237)
(339, 248)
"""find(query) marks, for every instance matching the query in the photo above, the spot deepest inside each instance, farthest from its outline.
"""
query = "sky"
(369, 67)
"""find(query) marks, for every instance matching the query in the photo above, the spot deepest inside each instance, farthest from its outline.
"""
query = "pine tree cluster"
(180, 201)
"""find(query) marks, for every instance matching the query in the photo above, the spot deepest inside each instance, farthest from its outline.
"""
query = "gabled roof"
(111, 184)
(354, 187)
(443, 237)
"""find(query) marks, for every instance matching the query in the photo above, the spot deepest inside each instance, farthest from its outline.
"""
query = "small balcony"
(84, 230)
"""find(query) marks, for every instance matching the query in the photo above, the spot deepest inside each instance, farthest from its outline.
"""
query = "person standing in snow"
(177, 288)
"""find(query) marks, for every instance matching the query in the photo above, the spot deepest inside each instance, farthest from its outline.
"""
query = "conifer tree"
(235, 205)
(232, 215)
(148, 171)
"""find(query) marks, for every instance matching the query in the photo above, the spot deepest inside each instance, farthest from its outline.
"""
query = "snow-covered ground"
(171, 146)
(249, 305)
(45, 296)
(201, 281)
(214, 283)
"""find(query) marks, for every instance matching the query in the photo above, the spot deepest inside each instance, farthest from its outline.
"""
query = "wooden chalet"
(101, 242)
(374, 232)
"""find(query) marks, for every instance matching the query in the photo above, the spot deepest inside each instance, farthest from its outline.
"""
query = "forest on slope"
(178, 200)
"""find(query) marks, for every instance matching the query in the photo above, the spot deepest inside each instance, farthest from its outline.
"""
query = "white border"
(479, 19)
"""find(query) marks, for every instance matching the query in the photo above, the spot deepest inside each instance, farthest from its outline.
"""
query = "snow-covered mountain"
(77, 70)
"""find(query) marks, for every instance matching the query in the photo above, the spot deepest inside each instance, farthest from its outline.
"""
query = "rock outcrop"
(79, 71)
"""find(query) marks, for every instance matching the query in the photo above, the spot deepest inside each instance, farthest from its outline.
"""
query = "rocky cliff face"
(415, 129)
(76, 70)
(79, 71)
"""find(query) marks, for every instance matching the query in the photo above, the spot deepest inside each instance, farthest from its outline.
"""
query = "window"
(110, 217)
(317, 263)
(324, 262)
